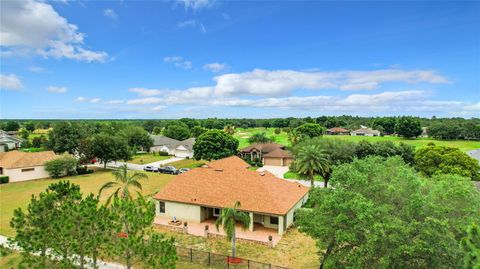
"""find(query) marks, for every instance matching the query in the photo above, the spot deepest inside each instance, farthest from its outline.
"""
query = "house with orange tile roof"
(269, 153)
(22, 166)
(200, 194)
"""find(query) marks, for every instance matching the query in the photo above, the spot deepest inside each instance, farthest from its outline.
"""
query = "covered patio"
(259, 234)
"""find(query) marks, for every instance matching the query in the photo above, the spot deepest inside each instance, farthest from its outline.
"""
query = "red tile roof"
(338, 130)
(221, 183)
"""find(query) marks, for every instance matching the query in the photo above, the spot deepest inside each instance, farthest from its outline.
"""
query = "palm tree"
(228, 218)
(311, 161)
(259, 138)
(229, 129)
(123, 181)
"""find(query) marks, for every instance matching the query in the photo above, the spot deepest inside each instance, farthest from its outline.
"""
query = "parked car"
(150, 168)
(183, 170)
(168, 170)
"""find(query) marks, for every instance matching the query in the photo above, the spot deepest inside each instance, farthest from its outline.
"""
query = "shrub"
(61, 166)
(162, 153)
(82, 170)
(278, 131)
(4, 179)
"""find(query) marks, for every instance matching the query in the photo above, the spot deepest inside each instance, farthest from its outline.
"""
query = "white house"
(172, 146)
(9, 141)
(22, 166)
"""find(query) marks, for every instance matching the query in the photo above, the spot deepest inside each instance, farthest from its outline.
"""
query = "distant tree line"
(443, 128)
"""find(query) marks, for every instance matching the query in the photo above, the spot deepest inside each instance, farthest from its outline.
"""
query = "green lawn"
(293, 175)
(242, 134)
(187, 163)
(14, 195)
(144, 158)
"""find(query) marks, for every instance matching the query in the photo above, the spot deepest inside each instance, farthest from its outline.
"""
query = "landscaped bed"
(187, 163)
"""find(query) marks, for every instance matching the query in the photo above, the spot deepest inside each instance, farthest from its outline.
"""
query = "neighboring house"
(365, 131)
(21, 166)
(200, 194)
(424, 132)
(269, 153)
(278, 157)
(338, 131)
(12, 142)
(172, 146)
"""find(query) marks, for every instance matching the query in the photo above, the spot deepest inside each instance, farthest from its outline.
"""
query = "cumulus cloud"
(145, 91)
(144, 101)
(195, 4)
(216, 67)
(10, 82)
(32, 26)
(36, 69)
(158, 108)
(110, 13)
(54, 89)
(192, 23)
(178, 62)
(283, 82)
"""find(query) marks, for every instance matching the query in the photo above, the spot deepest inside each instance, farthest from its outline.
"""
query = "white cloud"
(31, 26)
(114, 102)
(192, 23)
(36, 69)
(54, 89)
(178, 62)
(216, 67)
(144, 101)
(158, 108)
(110, 13)
(82, 99)
(145, 91)
(196, 4)
(283, 82)
(10, 82)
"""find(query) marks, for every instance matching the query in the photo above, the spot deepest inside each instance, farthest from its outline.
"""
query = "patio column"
(251, 222)
(280, 225)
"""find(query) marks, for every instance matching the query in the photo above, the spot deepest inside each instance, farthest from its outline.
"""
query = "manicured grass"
(243, 134)
(295, 249)
(144, 158)
(187, 163)
(293, 175)
(15, 195)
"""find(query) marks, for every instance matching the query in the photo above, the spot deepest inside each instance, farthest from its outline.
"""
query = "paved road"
(475, 154)
(132, 166)
(279, 171)
(101, 264)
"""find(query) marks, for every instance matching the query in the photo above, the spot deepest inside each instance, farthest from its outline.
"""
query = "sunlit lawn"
(145, 158)
(242, 134)
(14, 195)
(187, 163)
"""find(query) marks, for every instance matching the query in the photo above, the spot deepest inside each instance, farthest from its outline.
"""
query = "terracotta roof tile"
(338, 130)
(17, 159)
(221, 183)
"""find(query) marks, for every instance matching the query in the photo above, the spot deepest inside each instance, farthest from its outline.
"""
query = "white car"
(150, 168)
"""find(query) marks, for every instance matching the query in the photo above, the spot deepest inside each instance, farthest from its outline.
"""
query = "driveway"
(139, 167)
(279, 171)
(475, 154)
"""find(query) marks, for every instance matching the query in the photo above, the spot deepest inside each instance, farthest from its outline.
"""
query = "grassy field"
(242, 135)
(144, 158)
(15, 195)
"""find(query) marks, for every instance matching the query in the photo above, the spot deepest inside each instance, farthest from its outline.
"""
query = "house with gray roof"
(365, 131)
(181, 149)
(9, 142)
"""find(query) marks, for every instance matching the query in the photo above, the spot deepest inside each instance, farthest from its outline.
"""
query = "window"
(273, 220)
(216, 211)
(28, 169)
(161, 208)
(1, 170)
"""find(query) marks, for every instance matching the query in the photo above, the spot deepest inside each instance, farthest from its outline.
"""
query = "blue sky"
(203, 58)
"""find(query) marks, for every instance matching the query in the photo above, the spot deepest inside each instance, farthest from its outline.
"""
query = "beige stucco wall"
(184, 212)
(289, 218)
(161, 148)
(16, 174)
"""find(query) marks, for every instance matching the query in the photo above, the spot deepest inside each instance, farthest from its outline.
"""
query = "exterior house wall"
(162, 148)
(288, 161)
(180, 211)
(16, 174)
(183, 153)
(290, 214)
(272, 161)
